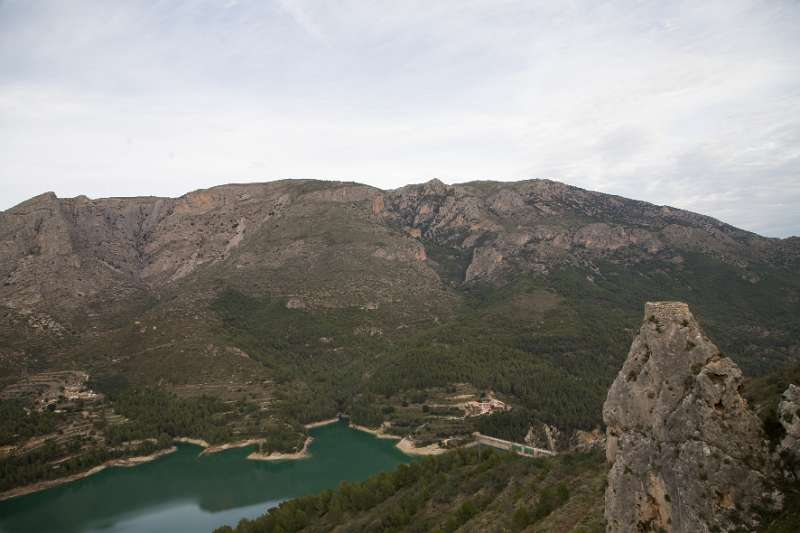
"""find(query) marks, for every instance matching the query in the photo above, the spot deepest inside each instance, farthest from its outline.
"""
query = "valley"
(431, 313)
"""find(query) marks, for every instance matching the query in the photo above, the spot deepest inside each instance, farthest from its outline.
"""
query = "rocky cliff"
(686, 452)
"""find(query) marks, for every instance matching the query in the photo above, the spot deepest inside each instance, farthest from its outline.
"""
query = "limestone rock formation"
(789, 415)
(60, 255)
(686, 452)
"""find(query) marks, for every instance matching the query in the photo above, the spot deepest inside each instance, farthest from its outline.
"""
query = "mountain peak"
(40, 199)
(436, 186)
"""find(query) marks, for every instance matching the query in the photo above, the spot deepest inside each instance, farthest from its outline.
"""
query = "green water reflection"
(185, 492)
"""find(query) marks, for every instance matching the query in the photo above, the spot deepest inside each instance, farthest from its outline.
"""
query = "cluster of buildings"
(49, 389)
(485, 407)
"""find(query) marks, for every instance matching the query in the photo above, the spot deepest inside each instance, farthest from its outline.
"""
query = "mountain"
(272, 305)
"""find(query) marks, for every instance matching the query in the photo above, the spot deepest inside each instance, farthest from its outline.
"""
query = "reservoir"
(187, 492)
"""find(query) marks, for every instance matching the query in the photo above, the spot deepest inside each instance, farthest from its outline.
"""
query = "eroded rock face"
(69, 254)
(789, 414)
(686, 452)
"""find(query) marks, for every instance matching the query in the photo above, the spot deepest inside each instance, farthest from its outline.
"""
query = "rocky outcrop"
(536, 226)
(686, 452)
(600, 236)
(789, 415)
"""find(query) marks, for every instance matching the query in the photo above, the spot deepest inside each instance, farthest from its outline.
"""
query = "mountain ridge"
(432, 183)
(435, 182)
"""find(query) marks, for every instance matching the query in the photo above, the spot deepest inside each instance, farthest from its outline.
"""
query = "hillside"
(685, 453)
(468, 491)
(273, 305)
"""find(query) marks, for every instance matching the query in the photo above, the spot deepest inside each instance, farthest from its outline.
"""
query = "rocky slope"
(531, 226)
(686, 452)
(158, 290)
(64, 254)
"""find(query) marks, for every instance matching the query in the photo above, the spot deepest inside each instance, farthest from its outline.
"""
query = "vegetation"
(483, 488)
(155, 412)
(19, 422)
(46, 462)
(511, 425)
(487, 345)
(764, 395)
(551, 346)
(153, 417)
(788, 521)
(283, 438)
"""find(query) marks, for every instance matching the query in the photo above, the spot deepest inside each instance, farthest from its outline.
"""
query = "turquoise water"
(185, 492)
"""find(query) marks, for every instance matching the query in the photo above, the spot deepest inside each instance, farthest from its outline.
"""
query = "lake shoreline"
(408, 447)
(209, 449)
(319, 424)
(278, 456)
(187, 491)
(230, 446)
(404, 445)
(127, 462)
(379, 433)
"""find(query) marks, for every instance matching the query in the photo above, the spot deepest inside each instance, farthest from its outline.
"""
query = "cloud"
(299, 15)
(692, 104)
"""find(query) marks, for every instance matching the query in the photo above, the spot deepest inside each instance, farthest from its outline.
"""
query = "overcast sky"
(693, 104)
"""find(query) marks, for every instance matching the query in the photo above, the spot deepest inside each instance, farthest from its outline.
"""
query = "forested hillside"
(467, 490)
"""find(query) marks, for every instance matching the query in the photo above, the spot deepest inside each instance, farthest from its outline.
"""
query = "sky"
(690, 104)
